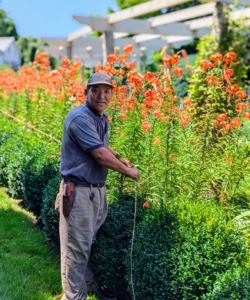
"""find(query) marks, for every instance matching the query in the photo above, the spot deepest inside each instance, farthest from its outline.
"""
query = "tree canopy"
(127, 3)
(7, 25)
(122, 4)
(27, 45)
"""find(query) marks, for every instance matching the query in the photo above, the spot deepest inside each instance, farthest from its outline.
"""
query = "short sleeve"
(82, 129)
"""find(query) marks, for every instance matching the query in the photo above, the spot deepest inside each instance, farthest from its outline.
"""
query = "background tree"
(7, 25)
(122, 4)
(27, 45)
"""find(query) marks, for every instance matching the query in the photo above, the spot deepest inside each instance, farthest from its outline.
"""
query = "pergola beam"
(135, 26)
(156, 5)
(200, 23)
(79, 33)
(118, 35)
(239, 2)
(143, 9)
(97, 53)
(56, 41)
(236, 15)
(120, 24)
(184, 14)
(145, 37)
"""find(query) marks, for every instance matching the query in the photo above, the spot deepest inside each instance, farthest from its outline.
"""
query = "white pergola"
(175, 29)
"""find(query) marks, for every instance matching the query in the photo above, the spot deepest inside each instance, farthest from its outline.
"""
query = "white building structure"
(9, 53)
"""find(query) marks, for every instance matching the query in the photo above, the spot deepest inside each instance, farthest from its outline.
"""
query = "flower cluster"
(225, 123)
(219, 78)
(55, 83)
(151, 94)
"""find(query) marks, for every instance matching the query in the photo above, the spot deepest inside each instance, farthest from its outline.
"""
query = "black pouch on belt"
(68, 198)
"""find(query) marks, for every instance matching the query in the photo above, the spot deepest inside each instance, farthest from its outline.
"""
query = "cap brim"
(101, 82)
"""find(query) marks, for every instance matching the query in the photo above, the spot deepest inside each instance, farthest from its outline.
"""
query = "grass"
(29, 268)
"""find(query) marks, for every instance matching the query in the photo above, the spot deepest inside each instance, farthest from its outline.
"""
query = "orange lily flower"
(206, 64)
(232, 89)
(221, 117)
(112, 58)
(246, 115)
(178, 71)
(128, 48)
(241, 94)
(241, 107)
(212, 80)
(216, 57)
(145, 126)
(229, 57)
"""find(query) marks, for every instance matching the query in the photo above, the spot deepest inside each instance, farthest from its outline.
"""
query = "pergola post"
(142, 59)
(82, 71)
(69, 50)
(108, 44)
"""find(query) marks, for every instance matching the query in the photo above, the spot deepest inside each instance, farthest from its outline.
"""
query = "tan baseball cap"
(100, 78)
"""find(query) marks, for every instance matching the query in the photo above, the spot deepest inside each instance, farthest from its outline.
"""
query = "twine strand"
(31, 128)
(132, 244)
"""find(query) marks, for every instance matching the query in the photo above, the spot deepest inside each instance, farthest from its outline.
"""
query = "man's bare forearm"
(107, 159)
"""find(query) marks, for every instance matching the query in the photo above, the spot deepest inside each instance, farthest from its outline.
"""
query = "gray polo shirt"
(84, 130)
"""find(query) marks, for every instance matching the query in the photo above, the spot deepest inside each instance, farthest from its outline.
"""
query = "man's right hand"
(133, 173)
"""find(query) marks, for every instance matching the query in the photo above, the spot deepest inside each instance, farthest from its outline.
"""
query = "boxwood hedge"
(182, 249)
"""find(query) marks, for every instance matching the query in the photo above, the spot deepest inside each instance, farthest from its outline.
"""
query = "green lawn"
(29, 268)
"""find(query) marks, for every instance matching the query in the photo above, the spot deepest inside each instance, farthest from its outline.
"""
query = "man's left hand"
(126, 162)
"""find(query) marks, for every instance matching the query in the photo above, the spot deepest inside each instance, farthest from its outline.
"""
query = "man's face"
(99, 96)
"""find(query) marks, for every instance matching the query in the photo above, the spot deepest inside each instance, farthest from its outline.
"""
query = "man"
(85, 160)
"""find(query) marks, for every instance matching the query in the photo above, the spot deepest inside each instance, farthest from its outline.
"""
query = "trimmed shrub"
(113, 243)
(14, 169)
(180, 250)
(7, 147)
(233, 285)
(50, 217)
(36, 175)
(187, 253)
(152, 262)
(17, 162)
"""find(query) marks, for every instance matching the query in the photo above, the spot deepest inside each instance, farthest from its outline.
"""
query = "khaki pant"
(77, 233)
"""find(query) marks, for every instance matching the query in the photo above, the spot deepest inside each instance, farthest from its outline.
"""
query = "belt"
(86, 184)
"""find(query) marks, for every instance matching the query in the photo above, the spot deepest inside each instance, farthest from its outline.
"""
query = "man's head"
(99, 91)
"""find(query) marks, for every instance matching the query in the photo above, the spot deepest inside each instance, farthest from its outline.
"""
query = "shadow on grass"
(29, 268)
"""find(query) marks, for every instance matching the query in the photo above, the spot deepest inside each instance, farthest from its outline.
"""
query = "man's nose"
(101, 94)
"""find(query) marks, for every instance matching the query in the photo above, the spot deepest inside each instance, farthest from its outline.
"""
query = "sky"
(52, 18)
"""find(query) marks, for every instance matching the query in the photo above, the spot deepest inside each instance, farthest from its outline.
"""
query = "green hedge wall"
(182, 249)
(50, 217)
(36, 175)
(27, 164)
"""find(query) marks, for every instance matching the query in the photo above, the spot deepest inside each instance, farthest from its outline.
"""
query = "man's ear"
(85, 92)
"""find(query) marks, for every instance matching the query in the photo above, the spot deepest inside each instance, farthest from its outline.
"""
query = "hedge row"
(182, 249)
(29, 167)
